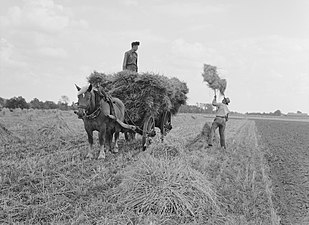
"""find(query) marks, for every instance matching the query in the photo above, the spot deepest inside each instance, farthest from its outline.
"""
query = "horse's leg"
(126, 136)
(129, 136)
(90, 140)
(162, 134)
(109, 139)
(102, 141)
(132, 135)
(116, 148)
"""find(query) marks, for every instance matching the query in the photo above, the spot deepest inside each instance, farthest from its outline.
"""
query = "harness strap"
(94, 115)
(111, 105)
(107, 97)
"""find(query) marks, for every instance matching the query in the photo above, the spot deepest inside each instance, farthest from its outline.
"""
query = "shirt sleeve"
(227, 111)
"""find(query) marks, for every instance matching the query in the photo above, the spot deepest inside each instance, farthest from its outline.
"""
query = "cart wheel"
(148, 132)
(166, 124)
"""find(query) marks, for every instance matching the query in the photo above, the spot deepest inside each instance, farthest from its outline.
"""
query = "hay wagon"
(150, 100)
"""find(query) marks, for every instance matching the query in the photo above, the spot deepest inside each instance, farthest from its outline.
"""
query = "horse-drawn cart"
(150, 100)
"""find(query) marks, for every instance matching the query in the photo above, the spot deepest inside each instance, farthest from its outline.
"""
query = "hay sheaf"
(211, 76)
(58, 129)
(164, 150)
(7, 136)
(100, 79)
(145, 93)
(202, 139)
(166, 188)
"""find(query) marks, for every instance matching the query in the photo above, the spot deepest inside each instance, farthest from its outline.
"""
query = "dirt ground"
(286, 146)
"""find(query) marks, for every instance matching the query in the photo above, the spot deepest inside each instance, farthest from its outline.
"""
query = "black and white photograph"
(154, 112)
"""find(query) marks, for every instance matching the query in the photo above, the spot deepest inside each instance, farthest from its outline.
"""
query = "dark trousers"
(218, 122)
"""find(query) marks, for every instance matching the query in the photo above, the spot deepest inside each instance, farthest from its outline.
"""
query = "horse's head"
(84, 100)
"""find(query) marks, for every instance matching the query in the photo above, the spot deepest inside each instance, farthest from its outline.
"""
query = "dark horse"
(97, 112)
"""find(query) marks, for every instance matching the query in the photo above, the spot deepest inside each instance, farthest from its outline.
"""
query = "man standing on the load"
(130, 58)
(222, 114)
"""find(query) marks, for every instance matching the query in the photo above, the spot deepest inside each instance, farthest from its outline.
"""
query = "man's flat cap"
(135, 43)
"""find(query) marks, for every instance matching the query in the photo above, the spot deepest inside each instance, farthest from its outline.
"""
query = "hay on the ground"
(166, 188)
(7, 136)
(202, 139)
(212, 78)
(59, 128)
(164, 150)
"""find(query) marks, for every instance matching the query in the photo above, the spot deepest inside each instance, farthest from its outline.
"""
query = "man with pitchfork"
(222, 114)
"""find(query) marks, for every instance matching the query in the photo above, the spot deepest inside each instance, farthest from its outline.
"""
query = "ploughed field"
(286, 147)
(262, 177)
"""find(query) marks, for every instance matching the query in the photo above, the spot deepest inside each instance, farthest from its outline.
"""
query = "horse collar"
(94, 115)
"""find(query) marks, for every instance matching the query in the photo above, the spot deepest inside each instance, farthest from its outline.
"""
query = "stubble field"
(262, 177)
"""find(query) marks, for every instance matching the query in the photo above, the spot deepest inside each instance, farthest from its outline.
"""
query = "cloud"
(189, 9)
(192, 55)
(303, 87)
(39, 28)
(267, 56)
(40, 15)
(259, 54)
(188, 50)
(129, 2)
(143, 35)
(199, 27)
(8, 56)
(261, 67)
(53, 52)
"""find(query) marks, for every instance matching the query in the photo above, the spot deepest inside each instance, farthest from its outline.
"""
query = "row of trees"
(20, 102)
(63, 104)
(275, 113)
(209, 109)
(198, 108)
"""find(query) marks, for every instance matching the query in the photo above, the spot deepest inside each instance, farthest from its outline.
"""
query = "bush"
(17, 102)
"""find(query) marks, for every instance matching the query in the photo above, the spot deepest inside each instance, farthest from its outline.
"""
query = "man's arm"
(214, 101)
(136, 62)
(227, 117)
(124, 65)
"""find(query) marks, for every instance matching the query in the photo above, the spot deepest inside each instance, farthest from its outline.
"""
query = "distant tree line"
(278, 113)
(198, 108)
(209, 109)
(275, 113)
(20, 102)
(63, 104)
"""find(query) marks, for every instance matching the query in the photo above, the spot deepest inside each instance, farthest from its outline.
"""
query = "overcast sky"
(261, 47)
